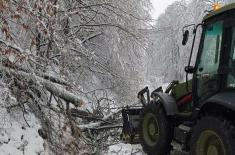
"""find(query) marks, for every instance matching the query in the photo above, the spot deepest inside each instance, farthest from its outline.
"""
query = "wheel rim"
(150, 129)
(209, 143)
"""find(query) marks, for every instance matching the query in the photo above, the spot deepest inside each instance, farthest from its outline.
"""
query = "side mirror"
(189, 69)
(185, 37)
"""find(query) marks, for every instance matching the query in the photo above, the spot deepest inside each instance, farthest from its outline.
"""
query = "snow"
(106, 71)
(160, 6)
(125, 149)
(16, 137)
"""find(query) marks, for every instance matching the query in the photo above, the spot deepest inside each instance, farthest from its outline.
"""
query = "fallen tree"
(95, 125)
(54, 88)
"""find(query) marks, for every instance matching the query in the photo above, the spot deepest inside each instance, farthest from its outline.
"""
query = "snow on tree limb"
(53, 79)
(62, 93)
(97, 124)
(88, 44)
(55, 89)
(10, 45)
(43, 75)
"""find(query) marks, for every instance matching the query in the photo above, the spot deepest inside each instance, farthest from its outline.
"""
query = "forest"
(68, 67)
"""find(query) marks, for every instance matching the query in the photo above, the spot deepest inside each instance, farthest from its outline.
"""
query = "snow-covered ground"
(18, 132)
(18, 139)
(128, 149)
(125, 149)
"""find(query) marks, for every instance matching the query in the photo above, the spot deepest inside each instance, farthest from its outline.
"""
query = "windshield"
(208, 64)
(209, 61)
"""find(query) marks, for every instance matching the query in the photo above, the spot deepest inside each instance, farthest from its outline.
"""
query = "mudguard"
(168, 103)
(226, 99)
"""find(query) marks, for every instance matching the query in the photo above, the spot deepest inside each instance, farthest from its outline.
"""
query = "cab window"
(207, 70)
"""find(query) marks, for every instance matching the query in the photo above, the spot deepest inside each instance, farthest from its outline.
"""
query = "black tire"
(212, 135)
(154, 115)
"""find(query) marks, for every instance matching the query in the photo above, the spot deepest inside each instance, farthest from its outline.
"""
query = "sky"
(160, 6)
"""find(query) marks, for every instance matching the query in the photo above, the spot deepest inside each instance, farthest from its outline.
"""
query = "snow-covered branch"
(98, 124)
(50, 86)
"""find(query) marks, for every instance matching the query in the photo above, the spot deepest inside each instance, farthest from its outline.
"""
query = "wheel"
(155, 130)
(212, 136)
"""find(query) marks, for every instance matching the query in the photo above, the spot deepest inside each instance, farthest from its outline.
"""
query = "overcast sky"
(160, 6)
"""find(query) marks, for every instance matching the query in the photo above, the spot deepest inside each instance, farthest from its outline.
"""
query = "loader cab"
(214, 70)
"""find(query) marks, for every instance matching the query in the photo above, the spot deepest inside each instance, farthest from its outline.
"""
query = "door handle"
(205, 76)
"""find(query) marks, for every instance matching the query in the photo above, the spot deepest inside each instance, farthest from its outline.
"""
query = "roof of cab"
(220, 11)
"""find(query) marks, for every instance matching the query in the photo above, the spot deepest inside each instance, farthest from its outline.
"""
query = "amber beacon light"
(216, 6)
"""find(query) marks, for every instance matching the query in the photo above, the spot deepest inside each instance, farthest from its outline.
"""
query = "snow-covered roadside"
(128, 149)
(16, 136)
(18, 139)
(125, 149)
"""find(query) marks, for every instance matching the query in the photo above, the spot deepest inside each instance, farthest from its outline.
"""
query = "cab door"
(207, 77)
